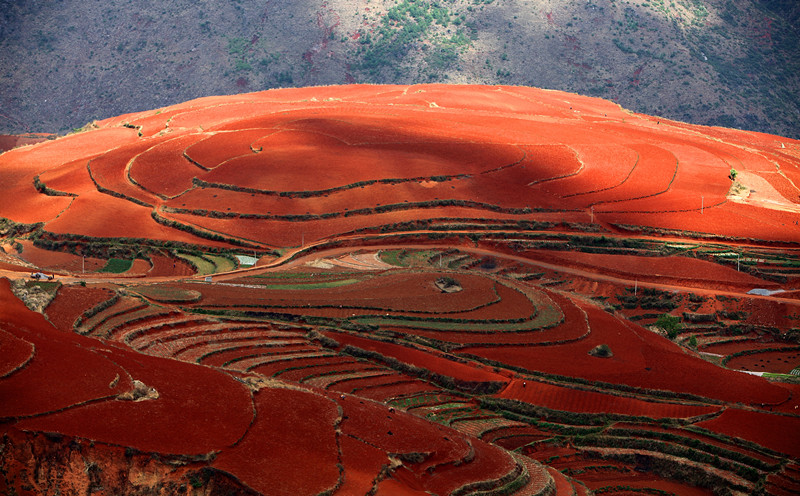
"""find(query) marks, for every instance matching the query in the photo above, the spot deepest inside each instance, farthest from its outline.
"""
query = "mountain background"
(733, 63)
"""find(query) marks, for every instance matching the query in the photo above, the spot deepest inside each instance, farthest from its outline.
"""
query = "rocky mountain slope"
(724, 62)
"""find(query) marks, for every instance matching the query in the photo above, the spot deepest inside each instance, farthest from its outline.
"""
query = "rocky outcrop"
(44, 464)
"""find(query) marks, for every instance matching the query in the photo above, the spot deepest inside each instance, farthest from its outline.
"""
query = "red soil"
(163, 169)
(176, 422)
(412, 292)
(86, 217)
(356, 385)
(767, 361)
(221, 147)
(56, 378)
(59, 260)
(666, 270)
(731, 347)
(169, 266)
(428, 360)
(362, 463)
(334, 368)
(606, 167)
(110, 169)
(490, 129)
(276, 367)
(71, 177)
(275, 456)
(19, 167)
(571, 327)
(641, 359)
(391, 391)
(324, 162)
(703, 438)
(16, 353)
(71, 301)
(396, 432)
(777, 432)
(241, 357)
(730, 219)
(572, 400)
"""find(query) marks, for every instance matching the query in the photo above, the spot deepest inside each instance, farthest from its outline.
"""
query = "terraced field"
(394, 291)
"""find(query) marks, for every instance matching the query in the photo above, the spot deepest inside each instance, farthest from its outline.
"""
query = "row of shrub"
(756, 352)
(606, 441)
(88, 314)
(330, 322)
(45, 190)
(392, 207)
(202, 233)
(311, 306)
(11, 229)
(473, 387)
(607, 387)
(696, 444)
(674, 468)
(110, 316)
(698, 235)
(494, 487)
(321, 192)
(110, 247)
(648, 299)
(113, 193)
(533, 414)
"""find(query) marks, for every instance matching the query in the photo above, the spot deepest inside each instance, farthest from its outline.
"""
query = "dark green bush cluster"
(526, 412)
(733, 315)
(10, 229)
(670, 324)
(699, 317)
(648, 298)
(324, 341)
(603, 241)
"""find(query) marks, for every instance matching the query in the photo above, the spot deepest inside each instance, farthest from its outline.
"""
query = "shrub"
(670, 324)
(601, 351)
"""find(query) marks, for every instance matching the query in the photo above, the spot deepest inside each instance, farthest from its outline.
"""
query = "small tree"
(733, 174)
(670, 324)
(693, 341)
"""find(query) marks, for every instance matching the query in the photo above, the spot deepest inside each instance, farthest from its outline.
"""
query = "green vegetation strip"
(312, 285)
(748, 473)
(200, 264)
(536, 322)
(303, 275)
(696, 444)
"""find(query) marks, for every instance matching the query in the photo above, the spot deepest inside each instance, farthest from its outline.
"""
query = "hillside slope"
(285, 167)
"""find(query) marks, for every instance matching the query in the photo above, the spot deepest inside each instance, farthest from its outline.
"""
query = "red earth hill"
(281, 167)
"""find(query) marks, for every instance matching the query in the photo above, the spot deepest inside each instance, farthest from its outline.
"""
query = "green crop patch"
(117, 266)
